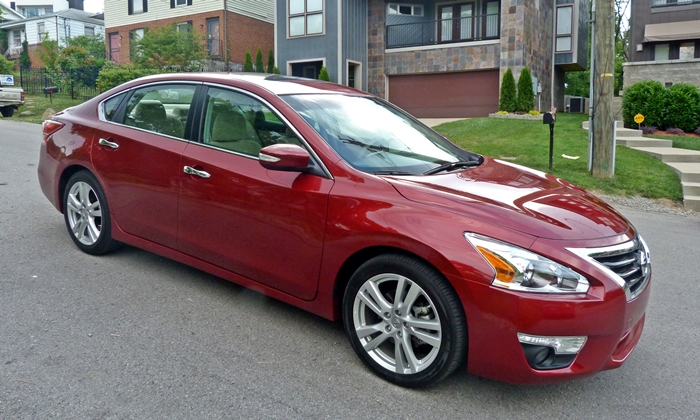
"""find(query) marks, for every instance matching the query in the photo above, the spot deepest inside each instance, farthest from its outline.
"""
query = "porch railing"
(443, 31)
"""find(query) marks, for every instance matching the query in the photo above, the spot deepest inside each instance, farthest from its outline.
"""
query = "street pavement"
(135, 335)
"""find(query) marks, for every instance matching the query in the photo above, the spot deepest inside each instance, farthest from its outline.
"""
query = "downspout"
(227, 59)
(340, 43)
(56, 28)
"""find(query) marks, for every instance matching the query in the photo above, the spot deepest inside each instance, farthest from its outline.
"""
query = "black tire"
(7, 111)
(86, 213)
(377, 338)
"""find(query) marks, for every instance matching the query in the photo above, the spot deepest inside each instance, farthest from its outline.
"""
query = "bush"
(647, 98)
(508, 99)
(649, 130)
(248, 63)
(682, 107)
(24, 60)
(323, 74)
(112, 75)
(259, 66)
(676, 131)
(270, 62)
(6, 66)
(526, 95)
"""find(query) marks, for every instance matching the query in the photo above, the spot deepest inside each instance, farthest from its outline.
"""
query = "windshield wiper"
(452, 165)
(391, 173)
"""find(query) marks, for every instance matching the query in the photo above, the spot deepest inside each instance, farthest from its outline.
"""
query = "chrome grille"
(627, 263)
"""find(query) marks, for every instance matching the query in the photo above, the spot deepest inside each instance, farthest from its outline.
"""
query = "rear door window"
(162, 109)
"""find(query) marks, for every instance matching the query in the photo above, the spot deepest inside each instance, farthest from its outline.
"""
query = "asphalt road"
(134, 335)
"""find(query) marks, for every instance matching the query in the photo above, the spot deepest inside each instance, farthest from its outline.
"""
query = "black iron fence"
(72, 83)
(443, 31)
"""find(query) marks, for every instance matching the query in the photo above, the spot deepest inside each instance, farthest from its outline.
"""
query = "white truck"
(11, 97)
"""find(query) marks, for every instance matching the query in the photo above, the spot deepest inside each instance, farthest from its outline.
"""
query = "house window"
(138, 6)
(41, 31)
(213, 36)
(17, 38)
(564, 41)
(686, 50)
(492, 19)
(305, 17)
(134, 36)
(114, 45)
(90, 31)
(456, 22)
(405, 10)
(661, 52)
(178, 3)
(184, 27)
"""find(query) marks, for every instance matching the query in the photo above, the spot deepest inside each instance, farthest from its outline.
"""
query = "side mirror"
(284, 157)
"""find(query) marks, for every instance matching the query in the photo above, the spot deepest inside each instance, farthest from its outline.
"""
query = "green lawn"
(41, 103)
(682, 142)
(527, 143)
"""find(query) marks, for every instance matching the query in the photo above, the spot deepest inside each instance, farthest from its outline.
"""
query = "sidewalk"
(685, 162)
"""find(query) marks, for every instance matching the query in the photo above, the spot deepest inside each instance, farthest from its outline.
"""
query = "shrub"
(682, 107)
(6, 66)
(676, 131)
(697, 131)
(276, 70)
(248, 63)
(649, 130)
(647, 98)
(535, 113)
(112, 75)
(323, 74)
(508, 99)
(270, 62)
(24, 60)
(526, 95)
(48, 52)
(259, 66)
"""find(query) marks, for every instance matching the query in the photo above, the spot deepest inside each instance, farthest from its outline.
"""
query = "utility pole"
(603, 164)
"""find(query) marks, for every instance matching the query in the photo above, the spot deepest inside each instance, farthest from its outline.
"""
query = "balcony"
(443, 31)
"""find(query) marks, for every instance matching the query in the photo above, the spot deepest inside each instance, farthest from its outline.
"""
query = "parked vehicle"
(11, 98)
(337, 202)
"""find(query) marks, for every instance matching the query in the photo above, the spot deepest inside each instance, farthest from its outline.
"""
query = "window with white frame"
(184, 27)
(89, 31)
(405, 9)
(17, 38)
(41, 31)
(137, 6)
(305, 17)
(564, 39)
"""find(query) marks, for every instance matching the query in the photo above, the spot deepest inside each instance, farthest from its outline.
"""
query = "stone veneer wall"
(527, 28)
(687, 71)
(438, 60)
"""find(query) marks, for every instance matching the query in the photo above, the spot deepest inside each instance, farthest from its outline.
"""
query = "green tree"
(48, 52)
(323, 74)
(95, 46)
(507, 101)
(75, 57)
(6, 66)
(24, 60)
(526, 95)
(270, 62)
(259, 65)
(248, 63)
(166, 47)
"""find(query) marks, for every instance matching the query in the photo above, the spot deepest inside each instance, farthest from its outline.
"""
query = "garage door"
(446, 95)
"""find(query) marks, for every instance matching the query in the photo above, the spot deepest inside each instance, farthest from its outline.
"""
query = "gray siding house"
(435, 58)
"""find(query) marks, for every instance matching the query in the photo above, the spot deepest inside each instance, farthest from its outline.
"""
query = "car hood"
(518, 198)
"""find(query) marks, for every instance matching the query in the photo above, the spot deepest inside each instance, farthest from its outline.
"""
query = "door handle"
(191, 171)
(108, 143)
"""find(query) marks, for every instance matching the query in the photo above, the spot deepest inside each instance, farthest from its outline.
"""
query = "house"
(8, 13)
(230, 26)
(434, 58)
(57, 25)
(664, 42)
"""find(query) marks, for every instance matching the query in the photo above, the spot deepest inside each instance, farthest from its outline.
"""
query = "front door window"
(456, 22)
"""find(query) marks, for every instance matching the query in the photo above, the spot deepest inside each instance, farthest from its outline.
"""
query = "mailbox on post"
(50, 91)
(550, 118)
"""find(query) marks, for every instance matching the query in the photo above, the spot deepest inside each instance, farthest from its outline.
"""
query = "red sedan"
(337, 202)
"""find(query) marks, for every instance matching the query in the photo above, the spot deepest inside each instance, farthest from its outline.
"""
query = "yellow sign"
(639, 118)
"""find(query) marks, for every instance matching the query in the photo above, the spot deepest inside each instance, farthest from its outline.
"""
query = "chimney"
(76, 4)
(13, 5)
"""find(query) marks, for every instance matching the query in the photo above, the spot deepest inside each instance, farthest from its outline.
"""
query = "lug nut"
(387, 329)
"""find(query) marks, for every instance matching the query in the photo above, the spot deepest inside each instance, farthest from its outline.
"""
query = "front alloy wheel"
(404, 320)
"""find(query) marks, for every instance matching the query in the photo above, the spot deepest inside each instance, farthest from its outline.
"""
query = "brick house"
(664, 42)
(230, 26)
(434, 58)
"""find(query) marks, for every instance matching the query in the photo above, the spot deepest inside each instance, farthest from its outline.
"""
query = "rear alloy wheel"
(87, 214)
(404, 320)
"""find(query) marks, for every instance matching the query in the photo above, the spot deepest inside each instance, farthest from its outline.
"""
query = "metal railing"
(443, 31)
(73, 83)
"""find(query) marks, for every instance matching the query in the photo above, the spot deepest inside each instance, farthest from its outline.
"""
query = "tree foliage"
(248, 63)
(75, 57)
(323, 74)
(6, 66)
(507, 100)
(48, 52)
(95, 46)
(166, 47)
(270, 62)
(24, 60)
(113, 75)
(526, 95)
(259, 65)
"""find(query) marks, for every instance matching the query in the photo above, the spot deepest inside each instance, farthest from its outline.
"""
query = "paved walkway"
(685, 162)
(432, 122)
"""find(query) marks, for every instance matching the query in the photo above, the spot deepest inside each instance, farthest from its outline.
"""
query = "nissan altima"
(335, 201)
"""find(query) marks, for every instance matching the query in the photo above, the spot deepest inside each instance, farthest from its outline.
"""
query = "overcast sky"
(90, 5)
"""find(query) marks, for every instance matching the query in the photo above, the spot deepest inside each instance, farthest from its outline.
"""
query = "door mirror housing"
(284, 157)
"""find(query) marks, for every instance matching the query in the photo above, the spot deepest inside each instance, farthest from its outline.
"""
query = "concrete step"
(691, 202)
(643, 142)
(670, 154)
(620, 124)
(691, 188)
(628, 132)
(688, 172)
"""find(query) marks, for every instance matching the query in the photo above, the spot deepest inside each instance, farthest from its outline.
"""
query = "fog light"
(546, 353)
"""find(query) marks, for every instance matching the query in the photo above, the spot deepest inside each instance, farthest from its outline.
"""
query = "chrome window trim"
(279, 115)
(589, 254)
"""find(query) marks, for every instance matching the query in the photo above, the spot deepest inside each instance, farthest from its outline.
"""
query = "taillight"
(49, 127)
(21, 96)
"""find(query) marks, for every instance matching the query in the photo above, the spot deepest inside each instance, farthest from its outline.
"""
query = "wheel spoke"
(398, 293)
(431, 339)
(408, 352)
(94, 209)
(376, 342)
(73, 203)
(79, 229)
(366, 330)
(413, 293)
(84, 194)
(373, 290)
(92, 231)
(426, 324)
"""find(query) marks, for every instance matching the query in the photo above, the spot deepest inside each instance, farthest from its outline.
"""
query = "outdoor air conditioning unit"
(576, 104)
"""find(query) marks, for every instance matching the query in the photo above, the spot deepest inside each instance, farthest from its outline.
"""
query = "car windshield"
(377, 138)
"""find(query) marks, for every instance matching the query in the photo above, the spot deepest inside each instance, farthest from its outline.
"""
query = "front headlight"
(522, 270)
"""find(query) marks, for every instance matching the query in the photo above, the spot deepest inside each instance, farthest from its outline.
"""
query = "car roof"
(275, 83)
